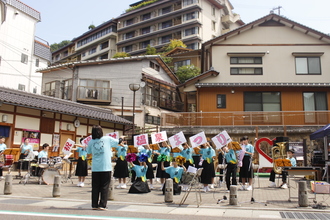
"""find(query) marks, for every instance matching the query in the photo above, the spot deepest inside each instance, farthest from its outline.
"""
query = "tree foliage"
(56, 46)
(121, 54)
(90, 27)
(150, 50)
(174, 43)
(186, 72)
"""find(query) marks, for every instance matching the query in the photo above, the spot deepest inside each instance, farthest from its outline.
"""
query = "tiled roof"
(24, 8)
(41, 50)
(42, 102)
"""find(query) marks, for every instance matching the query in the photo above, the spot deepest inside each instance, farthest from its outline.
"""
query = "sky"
(67, 19)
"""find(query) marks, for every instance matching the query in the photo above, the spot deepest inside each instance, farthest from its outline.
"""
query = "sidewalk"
(270, 201)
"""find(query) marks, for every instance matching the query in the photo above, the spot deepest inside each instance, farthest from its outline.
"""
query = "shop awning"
(321, 133)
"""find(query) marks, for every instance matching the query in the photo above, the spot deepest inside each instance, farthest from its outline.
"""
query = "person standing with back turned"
(101, 149)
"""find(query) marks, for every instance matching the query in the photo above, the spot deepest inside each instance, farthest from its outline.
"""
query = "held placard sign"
(140, 140)
(177, 139)
(86, 140)
(198, 139)
(68, 146)
(158, 137)
(115, 135)
(221, 139)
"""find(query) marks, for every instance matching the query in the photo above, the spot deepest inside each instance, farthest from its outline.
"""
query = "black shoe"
(95, 208)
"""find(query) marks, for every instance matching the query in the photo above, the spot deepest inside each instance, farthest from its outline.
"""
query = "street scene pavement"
(262, 202)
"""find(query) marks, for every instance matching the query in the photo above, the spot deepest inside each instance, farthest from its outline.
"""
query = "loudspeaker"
(282, 139)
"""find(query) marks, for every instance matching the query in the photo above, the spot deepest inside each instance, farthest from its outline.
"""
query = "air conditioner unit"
(147, 102)
(154, 103)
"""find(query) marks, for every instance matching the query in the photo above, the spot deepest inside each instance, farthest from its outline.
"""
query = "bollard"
(57, 186)
(111, 189)
(169, 190)
(302, 194)
(233, 195)
(8, 184)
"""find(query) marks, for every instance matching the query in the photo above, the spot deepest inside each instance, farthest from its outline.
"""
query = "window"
(104, 45)
(189, 2)
(65, 53)
(308, 65)
(129, 22)
(213, 25)
(165, 39)
(245, 71)
(97, 35)
(128, 48)
(154, 66)
(144, 44)
(146, 16)
(104, 57)
(149, 119)
(262, 101)
(21, 87)
(145, 30)
(193, 46)
(83, 54)
(245, 60)
(315, 101)
(190, 16)
(181, 63)
(129, 35)
(50, 88)
(91, 51)
(37, 62)
(94, 89)
(67, 93)
(24, 58)
(191, 31)
(221, 101)
(166, 24)
(166, 10)
(213, 11)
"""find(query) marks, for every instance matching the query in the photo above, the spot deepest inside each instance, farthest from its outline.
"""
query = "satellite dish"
(142, 84)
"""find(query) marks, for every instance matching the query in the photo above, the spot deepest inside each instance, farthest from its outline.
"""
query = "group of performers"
(170, 165)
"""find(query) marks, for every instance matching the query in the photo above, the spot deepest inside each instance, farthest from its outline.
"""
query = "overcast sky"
(67, 19)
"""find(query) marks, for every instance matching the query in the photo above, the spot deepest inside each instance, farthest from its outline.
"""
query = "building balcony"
(239, 119)
(230, 19)
(87, 94)
(156, 19)
(159, 32)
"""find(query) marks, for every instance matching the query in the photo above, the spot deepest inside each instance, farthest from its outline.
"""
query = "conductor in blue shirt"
(101, 149)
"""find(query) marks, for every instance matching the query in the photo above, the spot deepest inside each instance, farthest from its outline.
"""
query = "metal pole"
(122, 106)
(133, 115)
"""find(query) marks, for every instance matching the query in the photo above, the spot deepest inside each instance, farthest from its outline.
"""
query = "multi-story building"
(21, 53)
(106, 83)
(96, 44)
(155, 24)
(267, 78)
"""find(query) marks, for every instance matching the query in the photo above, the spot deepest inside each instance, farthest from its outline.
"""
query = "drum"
(43, 162)
(57, 162)
(9, 159)
(49, 174)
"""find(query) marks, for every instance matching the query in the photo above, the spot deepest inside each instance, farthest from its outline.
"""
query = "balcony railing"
(282, 118)
(164, 103)
(94, 94)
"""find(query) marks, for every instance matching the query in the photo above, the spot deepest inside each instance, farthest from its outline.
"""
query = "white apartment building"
(21, 53)
(192, 21)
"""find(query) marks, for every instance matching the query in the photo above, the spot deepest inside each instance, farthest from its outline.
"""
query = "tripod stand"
(194, 183)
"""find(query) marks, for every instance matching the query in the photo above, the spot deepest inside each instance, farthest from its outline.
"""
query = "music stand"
(16, 154)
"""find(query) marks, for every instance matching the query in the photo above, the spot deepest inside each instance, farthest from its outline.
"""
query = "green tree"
(56, 46)
(121, 54)
(90, 27)
(150, 50)
(186, 72)
(174, 43)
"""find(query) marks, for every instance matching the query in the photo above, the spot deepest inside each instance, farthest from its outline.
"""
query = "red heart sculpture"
(270, 142)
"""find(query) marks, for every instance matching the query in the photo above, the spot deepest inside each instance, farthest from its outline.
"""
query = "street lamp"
(134, 87)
